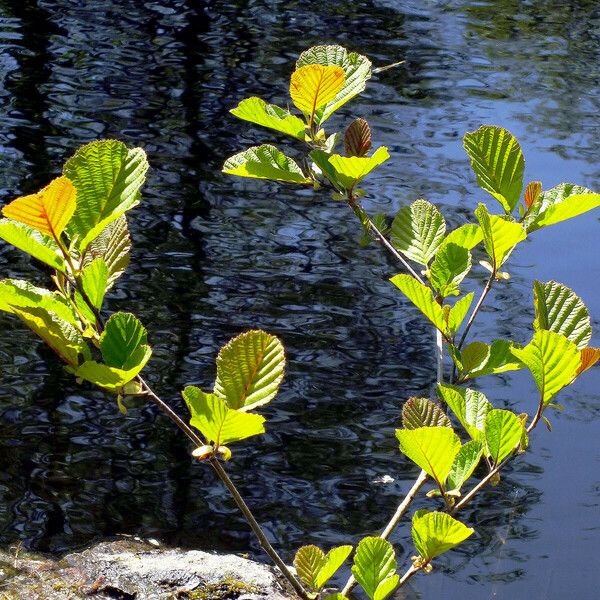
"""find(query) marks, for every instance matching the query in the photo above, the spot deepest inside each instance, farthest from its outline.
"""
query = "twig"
(484, 293)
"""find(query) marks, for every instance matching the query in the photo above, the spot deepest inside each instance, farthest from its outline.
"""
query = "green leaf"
(431, 448)
(321, 160)
(335, 597)
(249, 370)
(464, 464)
(500, 236)
(468, 236)
(469, 406)
(451, 265)
(421, 412)
(112, 378)
(218, 423)
(418, 231)
(308, 562)
(474, 356)
(31, 241)
(112, 245)
(18, 294)
(422, 297)
(560, 203)
(553, 361)
(560, 309)
(94, 279)
(503, 431)
(265, 162)
(351, 170)
(123, 342)
(357, 69)
(258, 111)
(435, 533)
(107, 176)
(375, 567)
(500, 359)
(498, 162)
(59, 334)
(459, 311)
(333, 561)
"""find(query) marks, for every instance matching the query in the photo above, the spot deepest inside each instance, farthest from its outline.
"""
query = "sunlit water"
(214, 256)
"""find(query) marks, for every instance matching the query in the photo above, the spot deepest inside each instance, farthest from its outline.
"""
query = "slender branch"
(484, 293)
(412, 570)
(264, 542)
(537, 416)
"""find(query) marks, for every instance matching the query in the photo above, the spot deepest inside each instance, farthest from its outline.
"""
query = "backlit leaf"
(588, 358)
(498, 162)
(333, 561)
(502, 433)
(500, 236)
(48, 211)
(32, 242)
(249, 370)
(124, 341)
(474, 356)
(469, 406)
(357, 69)
(418, 231)
(112, 378)
(107, 176)
(375, 567)
(94, 279)
(422, 297)
(468, 236)
(431, 448)
(325, 168)
(560, 309)
(352, 170)
(313, 86)
(308, 562)
(435, 533)
(459, 311)
(421, 412)
(450, 266)
(553, 361)
(265, 162)
(258, 111)
(464, 464)
(500, 359)
(357, 139)
(532, 191)
(217, 422)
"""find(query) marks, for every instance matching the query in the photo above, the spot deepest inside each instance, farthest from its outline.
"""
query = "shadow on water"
(214, 256)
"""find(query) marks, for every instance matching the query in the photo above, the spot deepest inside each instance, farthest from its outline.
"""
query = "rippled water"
(214, 256)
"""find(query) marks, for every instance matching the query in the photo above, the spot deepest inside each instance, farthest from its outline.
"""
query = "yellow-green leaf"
(435, 533)
(351, 170)
(124, 342)
(112, 378)
(468, 236)
(48, 211)
(375, 567)
(502, 433)
(459, 311)
(313, 86)
(464, 464)
(469, 406)
(450, 266)
(308, 562)
(94, 279)
(256, 110)
(333, 561)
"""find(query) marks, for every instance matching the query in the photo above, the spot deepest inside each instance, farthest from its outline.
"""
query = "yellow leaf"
(589, 357)
(313, 86)
(48, 211)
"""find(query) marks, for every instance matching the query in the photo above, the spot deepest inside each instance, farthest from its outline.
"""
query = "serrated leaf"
(107, 176)
(34, 243)
(502, 433)
(474, 356)
(48, 211)
(418, 231)
(459, 311)
(249, 370)
(498, 162)
(256, 110)
(375, 567)
(500, 236)
(435, 533)
(500, 360)
(469, 406)
(464, 464)
(321, 160)
(94, 279)
(112, 245)
(313, 86)
(333, 561)
(532, 192)
(421, 412)
(112, 378)
(357, 69)
(422, 297)
(588, 358)
(308, 562)
(553, 361)
(352, 170)
(59, 334)
(217, 422)
(468, 236)
(124, 342)
(450, 266)
(265, 162)
(357, 139)
(560, 309)
(431, 448)
(560, 203)
(19, 294)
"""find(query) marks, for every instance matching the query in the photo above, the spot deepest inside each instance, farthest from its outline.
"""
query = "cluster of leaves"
(324, 79)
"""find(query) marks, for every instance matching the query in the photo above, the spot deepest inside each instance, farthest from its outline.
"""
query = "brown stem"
(484, 293)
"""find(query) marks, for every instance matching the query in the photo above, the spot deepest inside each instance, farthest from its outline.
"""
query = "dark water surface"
(214, 256)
